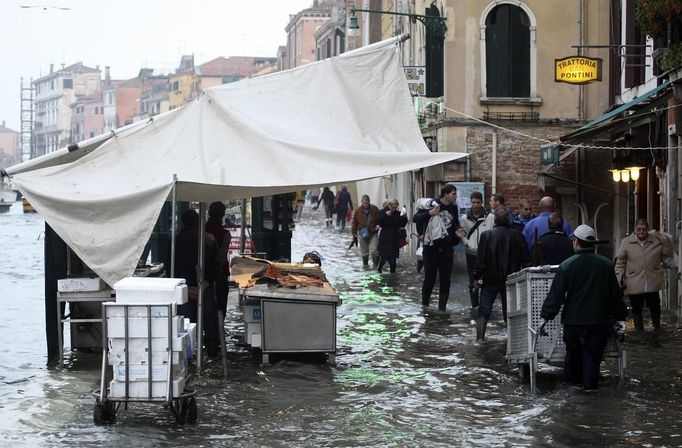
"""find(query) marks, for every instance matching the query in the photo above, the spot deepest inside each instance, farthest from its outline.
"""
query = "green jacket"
(586, 286)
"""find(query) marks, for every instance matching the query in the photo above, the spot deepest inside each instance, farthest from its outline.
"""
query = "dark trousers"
(382, 261)
(488, 294)
(341, 218)
(437, 259)
(652, 300)
(210, 322)
(584, 351)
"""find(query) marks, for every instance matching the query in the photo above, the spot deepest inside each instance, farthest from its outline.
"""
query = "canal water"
(405, 376)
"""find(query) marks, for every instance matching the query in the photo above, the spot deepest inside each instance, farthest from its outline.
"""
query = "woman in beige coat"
(639, 266)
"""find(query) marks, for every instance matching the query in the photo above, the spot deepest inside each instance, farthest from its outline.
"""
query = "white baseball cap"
(585, 233)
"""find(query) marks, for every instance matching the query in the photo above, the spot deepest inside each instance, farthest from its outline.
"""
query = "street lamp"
(434, 24)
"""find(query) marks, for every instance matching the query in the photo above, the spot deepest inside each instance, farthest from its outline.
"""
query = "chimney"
(3, 123)
(97, 67)
(51, 68)
(107, 75)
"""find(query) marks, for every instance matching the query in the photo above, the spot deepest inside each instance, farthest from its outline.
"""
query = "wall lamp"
(626, 174)
(434, 24)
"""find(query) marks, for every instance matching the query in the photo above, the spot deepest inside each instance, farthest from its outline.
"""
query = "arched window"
(508, 51)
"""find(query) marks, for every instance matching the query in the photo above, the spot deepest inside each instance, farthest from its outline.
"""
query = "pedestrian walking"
(501, 251)
(440, 224)
(327, 199)
(314, 195)
(539, 225)
(391, 222)
(342, 202)
(587, 288)
(639, 268)
(554, 245)
(364, 228)
(473, 223)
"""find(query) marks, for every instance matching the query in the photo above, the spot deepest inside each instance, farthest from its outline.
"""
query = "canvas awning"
(338, 120)
(638, 108)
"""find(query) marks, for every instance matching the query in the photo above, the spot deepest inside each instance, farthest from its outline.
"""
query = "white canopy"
(337, 120)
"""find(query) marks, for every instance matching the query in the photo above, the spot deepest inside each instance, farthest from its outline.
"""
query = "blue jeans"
(488, 294)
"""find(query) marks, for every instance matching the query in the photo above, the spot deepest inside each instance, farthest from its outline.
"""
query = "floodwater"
(404, 376)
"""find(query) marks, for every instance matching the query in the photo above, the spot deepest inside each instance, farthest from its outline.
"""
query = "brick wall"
(518, 162)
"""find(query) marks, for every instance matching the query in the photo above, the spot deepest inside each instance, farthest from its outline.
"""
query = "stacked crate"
(148, 343)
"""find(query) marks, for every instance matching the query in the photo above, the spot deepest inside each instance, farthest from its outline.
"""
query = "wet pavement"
(404, 376)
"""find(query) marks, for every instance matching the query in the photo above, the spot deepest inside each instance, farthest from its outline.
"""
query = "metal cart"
(182, 403)
(284, 320)
(526, 292)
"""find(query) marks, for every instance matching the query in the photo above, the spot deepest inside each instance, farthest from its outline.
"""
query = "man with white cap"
(587, 287)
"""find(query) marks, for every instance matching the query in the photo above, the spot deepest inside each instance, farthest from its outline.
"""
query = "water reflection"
(405, 376)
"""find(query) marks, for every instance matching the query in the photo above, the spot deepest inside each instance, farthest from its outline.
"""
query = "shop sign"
(416, 79)
(577, 70)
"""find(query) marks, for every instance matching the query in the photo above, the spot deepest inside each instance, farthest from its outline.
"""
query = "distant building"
(154, 95)
(223, 70)
(87, 117)
(54, 93)
(9, 146)
(183, 85)
(300, 31)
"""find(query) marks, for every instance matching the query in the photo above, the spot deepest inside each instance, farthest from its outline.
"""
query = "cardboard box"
(144, 290)
(80, 284)
(137, 327)
(139, 389)
(115, 309)
(141, 373)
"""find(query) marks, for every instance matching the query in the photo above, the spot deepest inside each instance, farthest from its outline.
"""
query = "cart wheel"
(104, 413)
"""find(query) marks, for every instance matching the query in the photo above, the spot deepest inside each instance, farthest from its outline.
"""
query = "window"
(68, 83)
(508, 54)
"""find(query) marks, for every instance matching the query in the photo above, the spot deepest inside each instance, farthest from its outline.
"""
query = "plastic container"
(146, 290)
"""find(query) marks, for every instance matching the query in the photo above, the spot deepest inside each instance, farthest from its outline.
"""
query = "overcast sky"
(130, 34)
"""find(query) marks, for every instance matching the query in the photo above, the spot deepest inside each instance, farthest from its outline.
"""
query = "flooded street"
(404, 376)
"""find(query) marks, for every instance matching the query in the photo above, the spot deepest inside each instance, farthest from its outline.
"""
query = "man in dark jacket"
(587, 287)
(342, 202)
(438, 253)
(555, 247)
(501, 251)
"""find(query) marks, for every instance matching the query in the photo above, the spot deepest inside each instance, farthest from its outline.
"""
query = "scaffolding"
(26, 115)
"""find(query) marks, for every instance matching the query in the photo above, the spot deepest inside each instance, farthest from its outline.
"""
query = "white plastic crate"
(139, 389)
(137, 327)
(134, 290)
(141, 373)
(526, 292)
(140, 311)
(137, 350)
(80, 284)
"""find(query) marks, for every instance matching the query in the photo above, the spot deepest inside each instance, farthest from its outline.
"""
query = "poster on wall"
(464, 190)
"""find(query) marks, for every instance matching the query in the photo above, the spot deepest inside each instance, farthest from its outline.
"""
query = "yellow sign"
(577, 70)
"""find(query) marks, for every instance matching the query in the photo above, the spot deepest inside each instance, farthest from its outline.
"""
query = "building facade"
(54, 93)
(9, 146)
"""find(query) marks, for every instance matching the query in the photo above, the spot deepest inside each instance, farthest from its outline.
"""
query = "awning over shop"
(640, 108)
(333, 121)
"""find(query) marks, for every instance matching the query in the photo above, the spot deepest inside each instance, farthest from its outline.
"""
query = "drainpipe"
(494, 164)
(581, 42)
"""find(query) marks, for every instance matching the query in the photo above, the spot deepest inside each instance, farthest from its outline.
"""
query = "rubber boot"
(473, 295)
(426, 300)
(375, 261)
(481, 323)
(656, 319)
(365, 260)
(639, 322)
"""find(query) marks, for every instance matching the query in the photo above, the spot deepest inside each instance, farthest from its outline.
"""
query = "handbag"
(364, 233)
(402, 237)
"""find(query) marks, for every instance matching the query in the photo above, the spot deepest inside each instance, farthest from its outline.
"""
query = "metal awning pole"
(200, 284)
(174, 205)
(242, 237)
